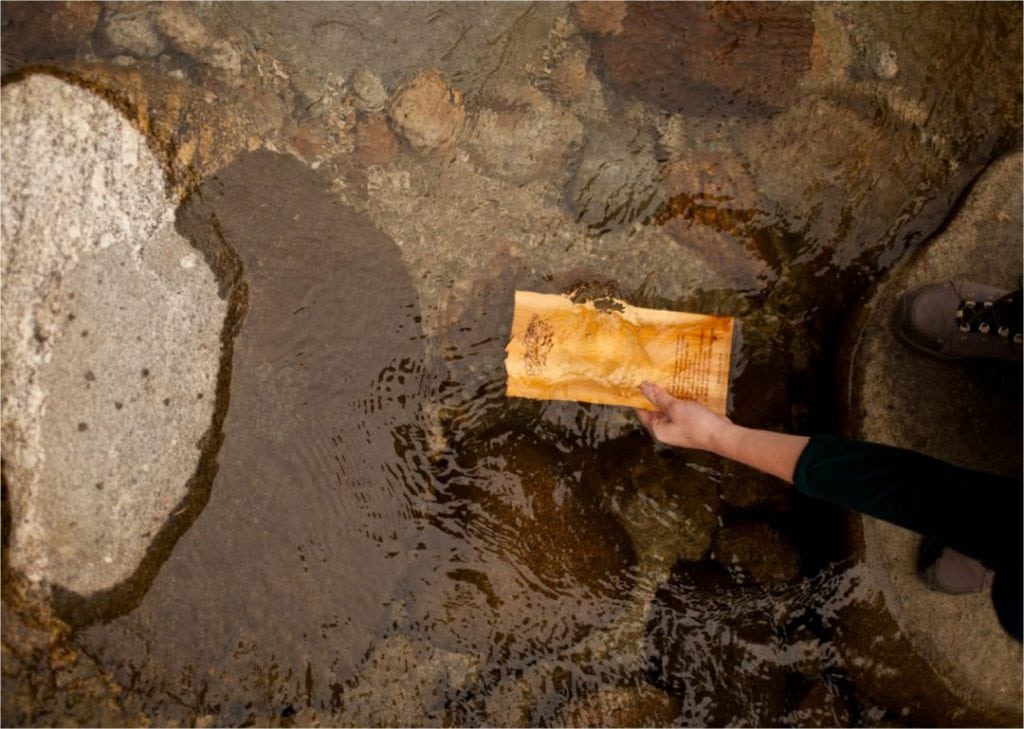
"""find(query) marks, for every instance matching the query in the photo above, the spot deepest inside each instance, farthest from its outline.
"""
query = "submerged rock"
(716, 643)
(699, 58)
(369, 90)
(419, 682)
(112, 333)
(523, 139)
(376, 144)
(428, 112)
(312, 478)
(669, 510)
(622, 706)
(617, 181)
(759, 549)
(42, 30)
(884, 665)
(602, 18)
(822, 706)
(128, 28)
(537, 564)
(177, 22)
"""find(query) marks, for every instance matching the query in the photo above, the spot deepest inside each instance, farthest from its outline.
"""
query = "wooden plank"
(559, 350)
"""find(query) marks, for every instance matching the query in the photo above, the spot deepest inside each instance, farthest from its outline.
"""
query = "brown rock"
(428, 112)
(616, 182)
(718, 237)
(669, 510)
(765, 364)
(759, 549)
(702, 58)
(714, 641)
(823, 705)
(43, 30)
(524, 138)
(535, 564)
(304, 142)
(178, 23)
(744, 488)
(570, 78)
(127, 29)
(714, 176)
(375, 142)
(420, 679)
(602, 18)
(624, 706)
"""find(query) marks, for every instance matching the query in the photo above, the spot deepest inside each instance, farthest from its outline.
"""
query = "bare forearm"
(765, 450)
(688, 424)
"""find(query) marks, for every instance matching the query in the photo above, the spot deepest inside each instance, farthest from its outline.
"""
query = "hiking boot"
(943, 569)
(961, 320)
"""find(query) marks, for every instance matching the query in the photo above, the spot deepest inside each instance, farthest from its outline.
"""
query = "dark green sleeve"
(975, 513)
(958, 506)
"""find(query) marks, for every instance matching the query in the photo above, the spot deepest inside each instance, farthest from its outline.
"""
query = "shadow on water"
(390, 540)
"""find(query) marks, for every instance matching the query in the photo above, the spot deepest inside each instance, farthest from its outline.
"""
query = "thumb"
(658, 396)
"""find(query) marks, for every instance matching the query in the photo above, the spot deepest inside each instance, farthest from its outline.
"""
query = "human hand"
(684, 423)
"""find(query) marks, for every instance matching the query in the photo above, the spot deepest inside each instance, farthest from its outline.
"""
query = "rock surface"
(369, 90)
(617, 181)
(112, 340)
(622, 706)
(669, 510)
(311, 478)
(522, 139)
(428, 112)
(704, 58)
(903, 398)
(128, 28)
(726, 668)
(422, 679)
(40, 30)
(759, 549)
(539, 562)
(602, 18)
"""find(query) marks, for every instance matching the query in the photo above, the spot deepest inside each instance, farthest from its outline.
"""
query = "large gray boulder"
(111, 340)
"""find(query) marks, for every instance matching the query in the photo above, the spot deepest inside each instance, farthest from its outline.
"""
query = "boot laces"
(984, 317)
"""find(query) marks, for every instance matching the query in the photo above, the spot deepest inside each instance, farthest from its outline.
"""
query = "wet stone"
(708, 59)
(570, 78)
(35, 31)
(375, 142)
(422, 682)
(536, 564)
(128, 28)
(428, 112)
(602, 18)
(524, 138)
(617, 181)
(669, 509)
(885, 667)
(714, 642)
(625, 706)
(759, 549)
(288, 569)
(871, 167)
(823, 705)
(89, 246)
(745, 488)
(369, 90)
(183, 30)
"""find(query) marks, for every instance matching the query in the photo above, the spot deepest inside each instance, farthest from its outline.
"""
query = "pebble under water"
(388, 539)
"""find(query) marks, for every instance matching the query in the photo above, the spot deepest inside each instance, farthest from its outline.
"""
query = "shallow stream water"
(388, 540)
